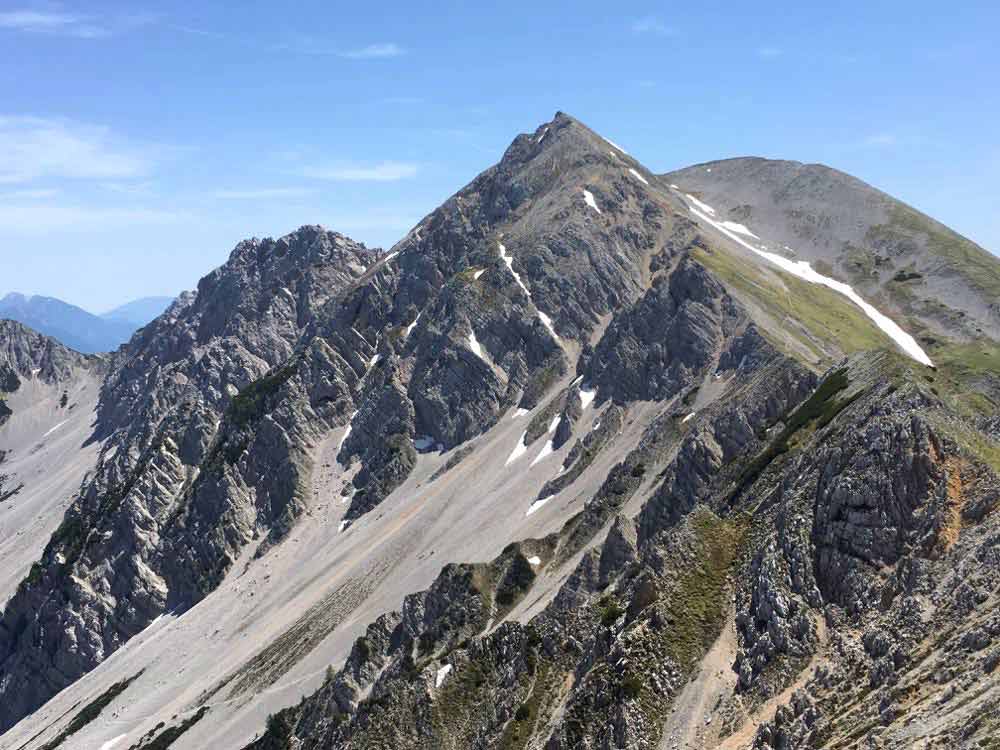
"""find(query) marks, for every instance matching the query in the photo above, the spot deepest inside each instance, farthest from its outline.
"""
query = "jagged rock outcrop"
(784, 544)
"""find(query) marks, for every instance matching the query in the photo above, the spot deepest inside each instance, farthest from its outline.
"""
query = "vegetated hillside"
(585, 460)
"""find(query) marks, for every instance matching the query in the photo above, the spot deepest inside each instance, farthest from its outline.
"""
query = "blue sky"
(138, 144)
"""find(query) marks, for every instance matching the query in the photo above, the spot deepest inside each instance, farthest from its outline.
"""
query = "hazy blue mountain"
(71, 325)
(139, 312)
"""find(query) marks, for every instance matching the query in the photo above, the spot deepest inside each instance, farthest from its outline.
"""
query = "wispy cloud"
(32, 219)
(184, 29)
(386, 171)
(32, 148)
(373, 51)
(310, 45)
(37, 194)
(768, 53)
(54, 21)
(652, 25)
(261, 193)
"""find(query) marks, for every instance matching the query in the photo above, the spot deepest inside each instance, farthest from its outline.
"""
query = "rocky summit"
(593, 457)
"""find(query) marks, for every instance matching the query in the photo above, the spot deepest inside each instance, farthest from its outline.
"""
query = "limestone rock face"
(604, 477)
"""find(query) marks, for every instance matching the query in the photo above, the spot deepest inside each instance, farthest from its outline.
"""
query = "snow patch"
(519, 450)
(55, 428)
(374, 361)
(409, 328)
(538, 504)
(112, 742)
(509, 260)
(703, 206)
(588, 198)
(554, 423)
(687, 417)
(547, 322)
(478, 273)
(474, 344)
(535, 560)
(350, 424)
(544, 453)
(520, 413)
(637, 176)
(443, 672)
(544, 133)
(673, 186)
(587, 396)
(343, 525)
(612, 143)
(732, 226)
(804, 271)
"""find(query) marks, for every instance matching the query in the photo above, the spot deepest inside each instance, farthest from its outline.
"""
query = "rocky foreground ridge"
(780, 528)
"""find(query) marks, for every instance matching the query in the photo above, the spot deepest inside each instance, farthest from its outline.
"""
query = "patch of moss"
(609, 610)
(822, 407)
(970, 374)
(252, 402)
(696, 607)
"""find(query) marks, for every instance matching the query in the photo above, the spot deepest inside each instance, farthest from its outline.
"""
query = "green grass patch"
(830, 318)
(821, 408)
(252, 402)
(969, 373)
(697, 605)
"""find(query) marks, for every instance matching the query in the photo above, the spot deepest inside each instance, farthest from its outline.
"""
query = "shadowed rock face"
(808, 507)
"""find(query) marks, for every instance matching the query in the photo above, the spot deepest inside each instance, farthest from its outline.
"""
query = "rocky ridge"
(776, 484)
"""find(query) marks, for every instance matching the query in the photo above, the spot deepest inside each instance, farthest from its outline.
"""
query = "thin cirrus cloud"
(652, 25)
(386, 171)
(373, 52)
(33, 148)
(60, 23)
(29, 194)
(49, 22)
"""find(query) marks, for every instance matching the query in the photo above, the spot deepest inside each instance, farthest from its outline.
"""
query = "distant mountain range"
(77, 328)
